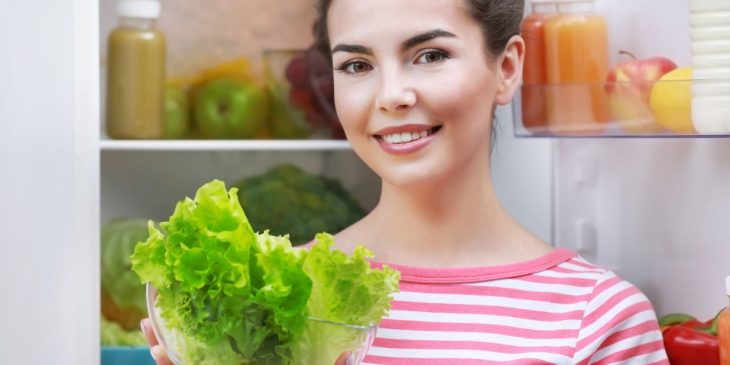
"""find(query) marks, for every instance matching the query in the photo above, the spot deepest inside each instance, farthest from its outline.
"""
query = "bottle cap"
(148, 9)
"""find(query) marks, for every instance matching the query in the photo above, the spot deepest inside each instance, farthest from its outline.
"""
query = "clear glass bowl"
(301, 88)
(362, 336)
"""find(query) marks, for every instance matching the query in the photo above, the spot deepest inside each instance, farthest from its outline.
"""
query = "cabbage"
(123, 298)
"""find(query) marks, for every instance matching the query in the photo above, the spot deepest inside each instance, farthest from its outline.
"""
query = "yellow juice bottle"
(135, 80)
(723, 329)
(578, 64)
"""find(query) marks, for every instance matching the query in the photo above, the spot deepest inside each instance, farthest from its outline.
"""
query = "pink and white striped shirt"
(557, 309)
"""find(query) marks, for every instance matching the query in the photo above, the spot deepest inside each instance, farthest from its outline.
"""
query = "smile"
(405, 137)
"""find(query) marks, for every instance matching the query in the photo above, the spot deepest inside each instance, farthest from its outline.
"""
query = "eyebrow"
(406, 45)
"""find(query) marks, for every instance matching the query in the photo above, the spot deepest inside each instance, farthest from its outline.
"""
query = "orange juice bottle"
(578, 63)
(534, 76)
(723, 329)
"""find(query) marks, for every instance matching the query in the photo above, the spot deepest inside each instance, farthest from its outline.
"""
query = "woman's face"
(414, 87)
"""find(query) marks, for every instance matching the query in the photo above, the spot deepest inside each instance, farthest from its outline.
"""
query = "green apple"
(177, 112)
(227, 107)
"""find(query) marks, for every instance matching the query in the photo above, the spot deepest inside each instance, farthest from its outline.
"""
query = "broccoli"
(288, 200)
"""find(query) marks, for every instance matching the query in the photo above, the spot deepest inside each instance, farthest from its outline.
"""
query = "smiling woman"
(416, 86)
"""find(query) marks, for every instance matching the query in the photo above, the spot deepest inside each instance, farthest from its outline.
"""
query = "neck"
(454, 222)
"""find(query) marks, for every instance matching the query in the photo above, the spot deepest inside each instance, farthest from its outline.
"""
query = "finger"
(158, 353)
(342, 360)
(146, 325)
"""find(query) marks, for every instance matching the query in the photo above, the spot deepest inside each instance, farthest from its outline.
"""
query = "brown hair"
(500, 20)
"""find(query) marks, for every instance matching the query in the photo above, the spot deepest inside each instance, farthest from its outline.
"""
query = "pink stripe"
(608, 305)
(479, 274)
(619, 318)
(445, 361)
(639, 329)
(477, 327)
(470, 345)
(556, 298)
(486, 309)
(628, 354)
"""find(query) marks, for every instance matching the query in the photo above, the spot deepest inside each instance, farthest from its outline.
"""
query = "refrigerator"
(655, 209)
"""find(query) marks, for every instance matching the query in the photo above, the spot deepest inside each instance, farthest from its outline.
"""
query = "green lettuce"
(234, 296)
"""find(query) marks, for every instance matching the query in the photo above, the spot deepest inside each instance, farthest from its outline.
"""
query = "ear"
(509, 70)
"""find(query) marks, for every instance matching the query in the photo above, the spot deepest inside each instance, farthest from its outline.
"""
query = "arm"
(619, 326)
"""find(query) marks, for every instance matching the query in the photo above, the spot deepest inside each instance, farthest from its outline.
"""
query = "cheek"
(352, 105)
(463, 95)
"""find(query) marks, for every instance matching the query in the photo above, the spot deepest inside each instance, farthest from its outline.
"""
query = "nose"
(394, 94)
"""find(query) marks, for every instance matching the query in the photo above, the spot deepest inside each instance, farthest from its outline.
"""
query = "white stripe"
(563, 275)
(598, 300)
(590, 348)
(627, 343)
(517, 284)
(644, 359)
(397, 334)
(464, 299)
(466, 354)
(569, 266)
(613, 312)
(484, 319)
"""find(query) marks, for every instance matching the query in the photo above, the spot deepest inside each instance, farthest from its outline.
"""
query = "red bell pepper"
(691, 342)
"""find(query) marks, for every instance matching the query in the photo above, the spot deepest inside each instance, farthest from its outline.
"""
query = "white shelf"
(223, 145)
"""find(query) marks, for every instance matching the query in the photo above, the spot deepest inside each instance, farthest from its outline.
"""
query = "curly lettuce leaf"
(230, 304)
(233, 296)
(345, 290)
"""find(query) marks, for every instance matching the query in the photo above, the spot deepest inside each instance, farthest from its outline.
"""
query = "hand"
(160, 355)
(158, 352)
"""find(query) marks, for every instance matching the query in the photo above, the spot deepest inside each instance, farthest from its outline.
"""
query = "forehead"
(349, 20)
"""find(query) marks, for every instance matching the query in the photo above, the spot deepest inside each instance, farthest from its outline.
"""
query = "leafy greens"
(235, 296)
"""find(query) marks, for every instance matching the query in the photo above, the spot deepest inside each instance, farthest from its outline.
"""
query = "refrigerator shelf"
(636, 109)
(224, 145)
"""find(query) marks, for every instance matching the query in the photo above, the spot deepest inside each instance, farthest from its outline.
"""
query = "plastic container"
(710, 33)
(135, 80)
(534, 77)
(577, 55)
(723, 329)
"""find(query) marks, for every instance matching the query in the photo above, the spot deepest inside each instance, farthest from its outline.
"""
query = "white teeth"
(405, 137)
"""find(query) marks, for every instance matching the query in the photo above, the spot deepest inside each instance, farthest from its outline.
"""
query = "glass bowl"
(310, 352)
(301, 90)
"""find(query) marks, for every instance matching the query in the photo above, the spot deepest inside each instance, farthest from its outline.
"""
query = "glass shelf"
(661, 109)
(224, 145)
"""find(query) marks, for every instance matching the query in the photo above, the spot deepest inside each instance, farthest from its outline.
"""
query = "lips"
(405, 139)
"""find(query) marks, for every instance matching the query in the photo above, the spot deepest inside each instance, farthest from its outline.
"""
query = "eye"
(354, 67)
(432, 56)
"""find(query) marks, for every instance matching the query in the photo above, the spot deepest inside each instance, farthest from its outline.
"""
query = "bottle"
(136, 72)
(723, 329)
(578, 64)
(709, 29)
(534, 76)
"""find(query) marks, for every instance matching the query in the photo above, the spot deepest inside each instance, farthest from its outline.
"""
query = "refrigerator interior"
(651, 209)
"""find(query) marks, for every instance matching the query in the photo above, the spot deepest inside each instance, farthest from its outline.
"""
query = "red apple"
(628, 87)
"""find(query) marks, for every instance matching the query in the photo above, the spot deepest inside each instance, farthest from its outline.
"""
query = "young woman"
(416, 86)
